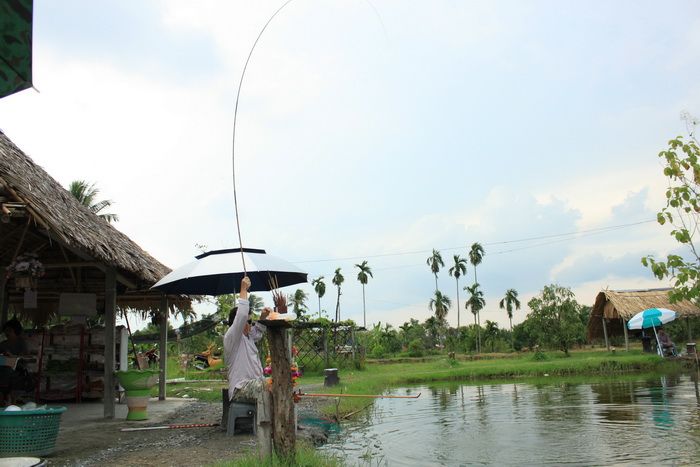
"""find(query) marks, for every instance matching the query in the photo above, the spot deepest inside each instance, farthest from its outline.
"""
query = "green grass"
(306, 456)
(376, 378)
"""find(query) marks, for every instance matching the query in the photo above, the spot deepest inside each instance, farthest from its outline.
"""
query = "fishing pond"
(649, 419)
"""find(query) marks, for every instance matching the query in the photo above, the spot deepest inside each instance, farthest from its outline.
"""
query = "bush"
(416, 348)
(379, 352)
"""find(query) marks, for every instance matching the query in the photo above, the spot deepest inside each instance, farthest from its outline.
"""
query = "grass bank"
(378, 377)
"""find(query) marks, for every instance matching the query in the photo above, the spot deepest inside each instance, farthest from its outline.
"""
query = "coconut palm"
(458, 270)
(435, 261)
(476, 303)
(363, 276)
(476, 254)
(320, 289)
(338, 280)
(298, 302)
(86, 194)
(507, 303)
(440, 304)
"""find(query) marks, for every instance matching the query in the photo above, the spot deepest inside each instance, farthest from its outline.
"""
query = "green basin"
(134, 380)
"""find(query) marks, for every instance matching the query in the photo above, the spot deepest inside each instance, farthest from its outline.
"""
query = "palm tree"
(320, 289)
(435, 261)
(86, 194)
(298, 301)
(476, 254)
(458, 270)
(476, 302)
(338, 279)
(440, 304)
(507, 303)
(491, 333)
(255, 303)
(363, 276)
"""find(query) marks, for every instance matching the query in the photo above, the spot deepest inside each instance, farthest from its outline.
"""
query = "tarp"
(15, 46)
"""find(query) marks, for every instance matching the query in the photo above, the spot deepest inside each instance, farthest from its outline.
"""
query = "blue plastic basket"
(29, 432)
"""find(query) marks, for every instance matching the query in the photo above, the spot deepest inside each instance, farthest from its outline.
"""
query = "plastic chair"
(239, 411)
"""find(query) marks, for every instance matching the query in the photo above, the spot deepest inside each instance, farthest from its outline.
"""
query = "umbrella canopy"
(220, 272)
(15, 46)
(651, 318)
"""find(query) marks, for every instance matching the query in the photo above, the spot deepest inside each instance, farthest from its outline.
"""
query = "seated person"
(245, 372)
(666, 343)
(17, 378)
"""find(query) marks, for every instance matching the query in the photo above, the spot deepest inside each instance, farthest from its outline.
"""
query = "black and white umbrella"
(220, 272)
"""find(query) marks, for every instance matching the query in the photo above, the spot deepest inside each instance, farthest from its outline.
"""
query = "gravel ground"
(201, 446)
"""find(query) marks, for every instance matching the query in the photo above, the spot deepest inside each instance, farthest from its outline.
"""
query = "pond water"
(642, 420)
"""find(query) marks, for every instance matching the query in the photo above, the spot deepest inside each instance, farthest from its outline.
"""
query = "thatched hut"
(614, 308)
(82, 255)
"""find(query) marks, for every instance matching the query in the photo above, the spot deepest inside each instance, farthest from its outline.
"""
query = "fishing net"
(329, 426)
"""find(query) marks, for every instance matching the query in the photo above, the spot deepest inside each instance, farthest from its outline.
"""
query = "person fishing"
(666, 343)
(245, 372)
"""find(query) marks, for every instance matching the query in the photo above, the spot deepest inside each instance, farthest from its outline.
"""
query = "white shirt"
(240, 351)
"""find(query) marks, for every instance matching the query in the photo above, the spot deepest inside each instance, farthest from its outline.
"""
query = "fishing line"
(235, 117)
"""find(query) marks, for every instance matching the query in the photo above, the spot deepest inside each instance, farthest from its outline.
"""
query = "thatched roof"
(39, 216)
(621, 305)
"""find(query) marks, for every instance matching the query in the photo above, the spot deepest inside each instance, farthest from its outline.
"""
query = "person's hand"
(265, 313)
(245, 285)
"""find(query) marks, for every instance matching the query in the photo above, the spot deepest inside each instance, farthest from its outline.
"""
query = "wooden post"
(627, 339)
(163, 351)
(4, 299)
(283, 433)
(265, 425)
(605, 332)
(110, 341)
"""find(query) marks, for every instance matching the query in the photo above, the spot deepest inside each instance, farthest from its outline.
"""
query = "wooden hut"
(614, 308)
(82, 256)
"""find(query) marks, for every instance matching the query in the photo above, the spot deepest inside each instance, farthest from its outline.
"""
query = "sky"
(374, 130)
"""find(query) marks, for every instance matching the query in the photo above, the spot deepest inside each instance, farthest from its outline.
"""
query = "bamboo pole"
(358, 395)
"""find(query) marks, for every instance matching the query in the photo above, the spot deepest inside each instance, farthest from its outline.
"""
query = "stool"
(330, 377)
(690, 348)
(237, 411)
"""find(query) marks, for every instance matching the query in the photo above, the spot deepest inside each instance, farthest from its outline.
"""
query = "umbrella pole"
(659, 350)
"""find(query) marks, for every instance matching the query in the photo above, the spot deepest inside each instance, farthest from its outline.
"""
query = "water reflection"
(598, 422)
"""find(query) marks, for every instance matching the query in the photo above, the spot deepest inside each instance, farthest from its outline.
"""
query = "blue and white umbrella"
(650, 319)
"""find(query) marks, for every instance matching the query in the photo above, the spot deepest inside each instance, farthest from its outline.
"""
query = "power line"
(577, 235)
